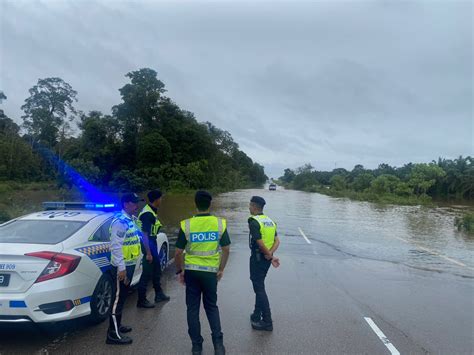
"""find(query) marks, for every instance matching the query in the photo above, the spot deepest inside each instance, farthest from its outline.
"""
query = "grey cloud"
(333, 83)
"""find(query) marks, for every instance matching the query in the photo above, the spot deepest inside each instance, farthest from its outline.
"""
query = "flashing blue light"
(80, 206)
(88, 191)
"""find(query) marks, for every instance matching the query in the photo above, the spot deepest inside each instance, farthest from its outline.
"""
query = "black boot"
(145, 304)
(125, 329)
(219, 348)
(263, 325)
(197, 349)
(114, 339)
(256, 316)
(160, 297)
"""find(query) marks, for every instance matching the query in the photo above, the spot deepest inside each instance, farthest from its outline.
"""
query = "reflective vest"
(154, 228)
(267, 229)
(203, 234)
(131, 242)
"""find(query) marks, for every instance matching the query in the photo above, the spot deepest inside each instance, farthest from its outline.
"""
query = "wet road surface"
(346, 284)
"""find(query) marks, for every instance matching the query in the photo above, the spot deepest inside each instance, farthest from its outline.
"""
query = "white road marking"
(304, 236)
(435, 253)
(393, 350)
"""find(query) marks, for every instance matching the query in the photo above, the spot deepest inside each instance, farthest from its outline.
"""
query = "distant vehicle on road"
(55, 264)
(272, 187)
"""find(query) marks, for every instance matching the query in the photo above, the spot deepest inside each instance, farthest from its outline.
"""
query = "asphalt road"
(324, 301)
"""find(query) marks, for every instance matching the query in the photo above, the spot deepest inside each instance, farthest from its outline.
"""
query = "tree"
(2, 97)
(362, 181)
(288, 176)
(307, 168)
(139, 111)
(153, 150)
(141, 99)
(48, 110)
(98, 142)
(384, 169)
(338, 182)
(424, 176)
(385, 183)
(222, 139)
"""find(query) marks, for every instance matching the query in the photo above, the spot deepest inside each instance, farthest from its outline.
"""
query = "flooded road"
(355, 278)
(416, 236)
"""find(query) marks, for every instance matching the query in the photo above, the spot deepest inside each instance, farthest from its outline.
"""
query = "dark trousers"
(119, 295)
(258, 271)
(202, 283)
(150, 271)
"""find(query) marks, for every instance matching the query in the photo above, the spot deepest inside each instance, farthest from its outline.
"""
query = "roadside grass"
(370, 196)
(17, 198)
(465, 223)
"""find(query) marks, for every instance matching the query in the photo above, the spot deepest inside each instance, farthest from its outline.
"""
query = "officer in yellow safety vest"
(150, 226)
(263, 242)
(207, 245)
(125, 252)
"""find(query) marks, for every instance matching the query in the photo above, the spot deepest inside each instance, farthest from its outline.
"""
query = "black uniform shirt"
(148, 220)
(181, 242)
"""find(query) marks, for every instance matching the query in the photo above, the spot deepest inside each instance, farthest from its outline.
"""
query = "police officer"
(125, 251)
(150, 226)
(263, 242)
(203, 266)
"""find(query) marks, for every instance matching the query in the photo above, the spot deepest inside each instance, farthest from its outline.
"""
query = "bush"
(465, 223)
(4, 215)
(5, 187)
(126, 180)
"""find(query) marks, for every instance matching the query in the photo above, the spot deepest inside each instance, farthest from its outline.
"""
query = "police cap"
(258, 200)
(131, 197)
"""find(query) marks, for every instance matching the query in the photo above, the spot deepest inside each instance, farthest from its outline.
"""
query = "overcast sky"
(333, 83)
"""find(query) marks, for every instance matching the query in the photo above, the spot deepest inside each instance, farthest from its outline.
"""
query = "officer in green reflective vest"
(150, 226)
(206, 244)
(263, 242)
(125, 251)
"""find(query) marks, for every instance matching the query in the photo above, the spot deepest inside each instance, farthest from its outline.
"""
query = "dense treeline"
(444, 179)
(147, 141)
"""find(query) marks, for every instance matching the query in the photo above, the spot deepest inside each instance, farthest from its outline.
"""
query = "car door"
(98, 246)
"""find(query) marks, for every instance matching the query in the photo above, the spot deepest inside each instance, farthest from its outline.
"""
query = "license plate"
(4, 280)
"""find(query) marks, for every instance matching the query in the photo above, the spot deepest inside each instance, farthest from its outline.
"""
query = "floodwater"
(416, 236)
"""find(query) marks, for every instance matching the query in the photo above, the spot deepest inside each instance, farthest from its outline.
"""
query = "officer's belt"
(200, 268)
(202, 253)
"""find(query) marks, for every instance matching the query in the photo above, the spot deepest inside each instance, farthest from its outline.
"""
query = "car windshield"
(38, 231)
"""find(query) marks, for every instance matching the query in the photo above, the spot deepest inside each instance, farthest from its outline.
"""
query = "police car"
(55, 264)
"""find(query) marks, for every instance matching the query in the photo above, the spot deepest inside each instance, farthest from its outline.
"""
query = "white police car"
(54, 264)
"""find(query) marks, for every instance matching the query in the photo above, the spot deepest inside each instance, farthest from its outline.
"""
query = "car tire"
(163, 256)
(101, 301)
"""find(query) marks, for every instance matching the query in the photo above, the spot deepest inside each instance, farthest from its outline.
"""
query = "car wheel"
(101, 301)
(163, 256)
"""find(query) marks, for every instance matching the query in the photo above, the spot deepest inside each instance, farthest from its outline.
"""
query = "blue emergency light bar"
(58, 205)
